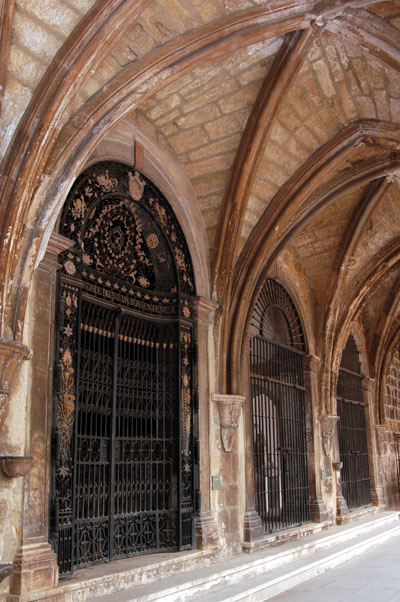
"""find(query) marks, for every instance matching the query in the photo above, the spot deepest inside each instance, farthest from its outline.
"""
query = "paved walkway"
(372, 577)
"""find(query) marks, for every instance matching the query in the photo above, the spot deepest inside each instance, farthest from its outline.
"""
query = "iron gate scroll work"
(279, 417)
(352, 430)
(123, 467)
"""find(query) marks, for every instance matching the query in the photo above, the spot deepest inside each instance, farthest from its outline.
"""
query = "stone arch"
(126, 374)
(170, 177)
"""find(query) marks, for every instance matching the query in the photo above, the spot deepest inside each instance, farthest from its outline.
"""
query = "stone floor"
(372, 577)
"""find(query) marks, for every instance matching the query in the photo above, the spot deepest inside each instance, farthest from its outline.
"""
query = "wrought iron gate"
(278, 407)
(352, 430)
(123, 477)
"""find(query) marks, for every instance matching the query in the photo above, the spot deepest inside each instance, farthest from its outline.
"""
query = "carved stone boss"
(229, 412)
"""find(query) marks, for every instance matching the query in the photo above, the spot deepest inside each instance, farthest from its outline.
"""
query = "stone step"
(265, 573)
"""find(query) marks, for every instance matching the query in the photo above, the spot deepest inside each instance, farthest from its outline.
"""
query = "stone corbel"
(381, 438)
(328, 424)
(11, 355)
(229, 412)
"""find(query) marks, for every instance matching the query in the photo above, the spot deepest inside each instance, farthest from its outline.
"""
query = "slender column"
(207, 533)
(35, 567)
(318, 508)
(377, 486)
(253, 528)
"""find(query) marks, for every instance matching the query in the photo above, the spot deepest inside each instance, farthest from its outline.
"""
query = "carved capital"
(367, 384)
(229, 411)
(311, 363)
(204, 309)
(11, 355)
(328, 424)
(381, 438)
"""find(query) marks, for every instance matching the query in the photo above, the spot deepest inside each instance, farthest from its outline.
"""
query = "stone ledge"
(286, 535)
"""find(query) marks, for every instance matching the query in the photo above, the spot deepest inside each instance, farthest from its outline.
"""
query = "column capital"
(368, 384)
(57, 243)
(311, 363)
(204, 309)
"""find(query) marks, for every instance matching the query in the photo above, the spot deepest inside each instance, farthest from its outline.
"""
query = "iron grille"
(123, 467)
(352, 431)
(278, 409)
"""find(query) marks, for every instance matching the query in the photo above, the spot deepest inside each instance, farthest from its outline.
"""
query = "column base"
(319, 510)
(207, 532)
(34, 569)
(253, 528)
(342, 509)
(378, 497)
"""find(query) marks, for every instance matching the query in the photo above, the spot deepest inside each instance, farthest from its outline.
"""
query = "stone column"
(319, 511)
(207, 532)
(377, 488)
(253, 528)
(35, 567)
(229, 506)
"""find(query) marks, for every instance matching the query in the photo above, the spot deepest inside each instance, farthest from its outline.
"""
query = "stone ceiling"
(281, 113)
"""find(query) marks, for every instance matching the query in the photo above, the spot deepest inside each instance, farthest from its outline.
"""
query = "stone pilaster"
(207, 532)
(318, 509)
(377, 490)
(253, 527)
(35, 566)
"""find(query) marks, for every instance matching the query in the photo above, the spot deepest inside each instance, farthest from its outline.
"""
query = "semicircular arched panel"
(275, 316)
(124, 227)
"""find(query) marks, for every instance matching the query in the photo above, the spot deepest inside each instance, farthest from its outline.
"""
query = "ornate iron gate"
(123, 473)
(278, 407)
(352, 430)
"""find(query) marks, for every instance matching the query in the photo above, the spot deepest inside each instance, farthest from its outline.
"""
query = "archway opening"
(123, 473)
(278, 410)
(352, 430)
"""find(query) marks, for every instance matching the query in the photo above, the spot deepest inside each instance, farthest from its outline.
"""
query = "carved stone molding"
(34, 569)
(381, 438)
(311, 363)
(328, 424)
(207, 532)
(15, 466)
(11, 355)
(229, 411)
(204, 309)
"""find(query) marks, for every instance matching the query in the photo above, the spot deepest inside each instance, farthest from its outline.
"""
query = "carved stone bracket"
(11, 355)
(229, 411)
(328, 424)
(381, 438)
(15, 466)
